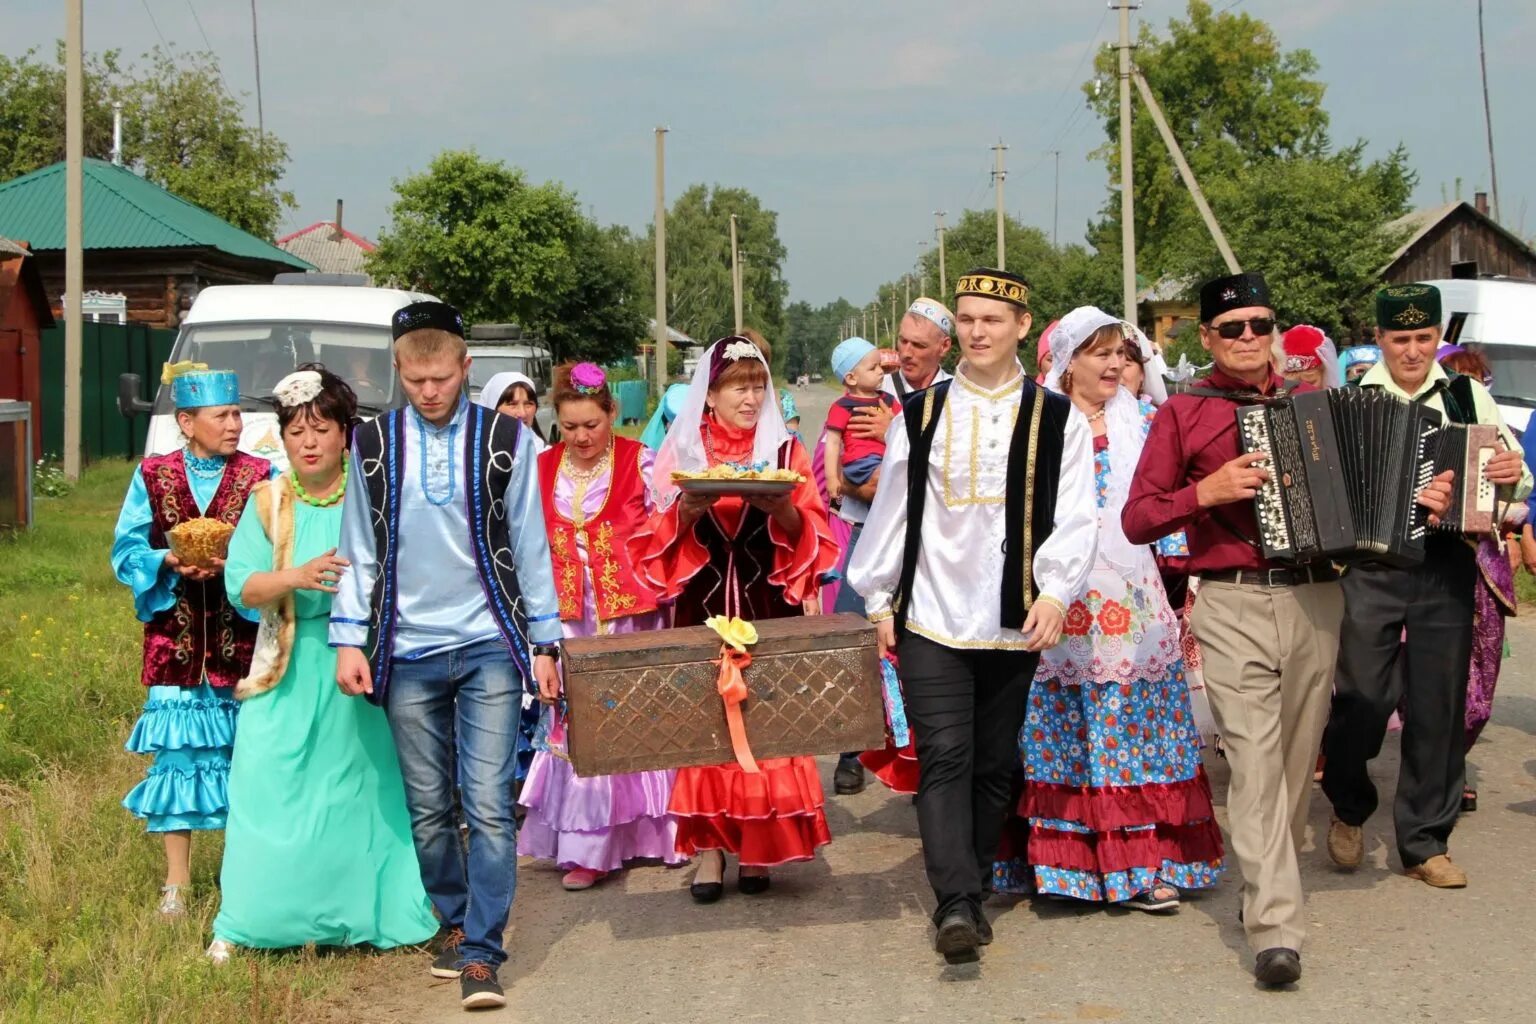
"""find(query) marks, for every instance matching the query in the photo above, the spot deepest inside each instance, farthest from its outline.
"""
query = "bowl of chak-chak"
(202, 542)
(723, 481)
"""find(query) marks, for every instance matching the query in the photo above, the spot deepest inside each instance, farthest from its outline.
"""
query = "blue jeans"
(462, 707)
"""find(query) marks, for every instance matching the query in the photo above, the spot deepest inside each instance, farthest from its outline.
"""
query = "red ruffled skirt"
(895, 766)
(766, 818)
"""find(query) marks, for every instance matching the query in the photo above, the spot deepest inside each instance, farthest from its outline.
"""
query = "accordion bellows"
(1346, 467)
(648, 701)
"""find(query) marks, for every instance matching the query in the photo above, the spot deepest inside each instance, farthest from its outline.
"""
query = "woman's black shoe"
(706, 892)
(752, 885)
(1468, 801)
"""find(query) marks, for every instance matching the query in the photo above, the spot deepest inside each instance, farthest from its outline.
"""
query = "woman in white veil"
(756, 557)
(1117, 801)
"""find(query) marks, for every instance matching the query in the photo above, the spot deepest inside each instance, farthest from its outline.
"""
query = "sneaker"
(446, 963)
(577, 879)
(1346, 844)
(478, 987)
(219, 952)
(173, 901)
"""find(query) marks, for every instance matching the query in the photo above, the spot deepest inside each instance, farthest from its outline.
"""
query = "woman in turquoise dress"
(318, 842)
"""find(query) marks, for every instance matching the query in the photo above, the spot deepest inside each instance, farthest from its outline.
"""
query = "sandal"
(1161, 898)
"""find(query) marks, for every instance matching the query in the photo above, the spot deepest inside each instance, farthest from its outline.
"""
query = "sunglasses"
(1233, 329)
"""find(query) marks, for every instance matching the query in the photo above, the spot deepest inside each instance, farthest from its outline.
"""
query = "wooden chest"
(648, 701)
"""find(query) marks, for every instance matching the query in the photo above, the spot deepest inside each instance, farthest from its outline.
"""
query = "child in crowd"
(857, 364)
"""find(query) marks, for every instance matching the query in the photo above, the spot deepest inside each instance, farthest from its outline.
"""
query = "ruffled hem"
(1107, 808)
(1103, 853)
(785, 787)
(609, 849)
(184, 792)
(761, 843)
(894, 766)
(1018, 878)
(196, 724)
(565, 802)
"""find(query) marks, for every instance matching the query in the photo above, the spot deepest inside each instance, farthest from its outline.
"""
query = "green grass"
(79, 940)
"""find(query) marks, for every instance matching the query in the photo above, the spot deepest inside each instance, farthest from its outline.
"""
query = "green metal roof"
(123, 211)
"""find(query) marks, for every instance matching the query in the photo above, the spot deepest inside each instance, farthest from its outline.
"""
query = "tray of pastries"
(724, 480)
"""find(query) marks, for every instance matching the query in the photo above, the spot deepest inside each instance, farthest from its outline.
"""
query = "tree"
(810, 334)
(182, 129)
(478, 235)
(1250, 120)
(699, 294)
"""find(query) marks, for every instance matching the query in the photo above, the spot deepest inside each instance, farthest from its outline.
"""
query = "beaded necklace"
(327, 501)
(203, 469)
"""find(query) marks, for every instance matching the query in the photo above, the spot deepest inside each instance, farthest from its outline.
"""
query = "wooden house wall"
(1457, 239)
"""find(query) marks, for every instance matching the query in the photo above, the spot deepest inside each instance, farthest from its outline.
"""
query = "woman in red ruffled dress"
(758, 558)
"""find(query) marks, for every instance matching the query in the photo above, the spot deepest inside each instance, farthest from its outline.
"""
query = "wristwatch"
(546, 651)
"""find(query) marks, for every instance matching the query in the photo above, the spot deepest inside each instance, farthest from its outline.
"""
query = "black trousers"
(1427, 675)
(966, 708)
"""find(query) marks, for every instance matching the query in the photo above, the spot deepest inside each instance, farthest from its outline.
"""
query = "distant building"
(329, 247)
(24, 313)
(147, 252)
(1457, 240)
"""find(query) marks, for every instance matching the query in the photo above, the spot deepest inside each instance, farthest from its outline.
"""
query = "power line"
(199, 22)
(155, 23)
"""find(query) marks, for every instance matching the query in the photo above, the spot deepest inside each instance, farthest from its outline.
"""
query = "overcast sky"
(854, 120)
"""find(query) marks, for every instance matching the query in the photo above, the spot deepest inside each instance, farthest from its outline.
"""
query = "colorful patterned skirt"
(190, 732)
(1115, 798)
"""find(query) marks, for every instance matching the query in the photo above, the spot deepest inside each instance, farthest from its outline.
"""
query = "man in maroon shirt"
(1268, 632)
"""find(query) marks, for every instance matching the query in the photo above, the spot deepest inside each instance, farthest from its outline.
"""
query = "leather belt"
(1288, 577)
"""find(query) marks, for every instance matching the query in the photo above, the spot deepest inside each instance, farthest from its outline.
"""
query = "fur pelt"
(266, 674)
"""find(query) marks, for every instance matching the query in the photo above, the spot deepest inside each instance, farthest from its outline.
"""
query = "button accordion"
(1346, 467)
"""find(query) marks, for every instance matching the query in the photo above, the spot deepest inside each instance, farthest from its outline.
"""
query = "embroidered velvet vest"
(201, 634)
(1034, 470)
(618, 589)
(490, 449)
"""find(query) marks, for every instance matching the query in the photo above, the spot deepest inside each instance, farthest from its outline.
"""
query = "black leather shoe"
(849, 777)
(958, 939)
(1278, 966)
(753, 885)
(706, 892)
(984, 929)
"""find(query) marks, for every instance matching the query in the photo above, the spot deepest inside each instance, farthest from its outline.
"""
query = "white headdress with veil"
(684, 448)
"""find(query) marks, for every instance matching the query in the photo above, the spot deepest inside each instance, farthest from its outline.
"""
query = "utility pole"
(1482, 57)
(891, 323)
(938, 216)
(661, 262)
(864, 317)
(74, 230)
(736, 274)
(1056, 198)
(261, 121)
(906, 280)
(922, 266)
(1188, 175)
(1127, 185)
(998, 174)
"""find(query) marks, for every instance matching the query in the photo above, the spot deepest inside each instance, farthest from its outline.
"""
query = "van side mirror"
(128, 401)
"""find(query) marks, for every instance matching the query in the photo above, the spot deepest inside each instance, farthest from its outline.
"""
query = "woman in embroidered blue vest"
(447, 613)
(314, 774)
(196, 646)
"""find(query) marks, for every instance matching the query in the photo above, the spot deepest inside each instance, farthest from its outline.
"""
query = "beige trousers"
(1268, 656)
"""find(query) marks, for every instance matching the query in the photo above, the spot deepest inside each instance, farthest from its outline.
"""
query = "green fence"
(108, 351)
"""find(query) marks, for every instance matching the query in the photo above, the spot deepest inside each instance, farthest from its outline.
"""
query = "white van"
(1497, 317)
(263, 331)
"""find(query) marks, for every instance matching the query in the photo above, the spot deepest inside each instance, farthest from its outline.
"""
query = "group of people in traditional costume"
(1009, 539)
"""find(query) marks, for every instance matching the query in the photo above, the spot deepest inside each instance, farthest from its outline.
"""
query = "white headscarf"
(683, 448)
(1153, 367)
(1123, 424)
(490, 395)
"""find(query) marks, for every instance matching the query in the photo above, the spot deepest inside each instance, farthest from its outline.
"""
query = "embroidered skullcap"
(1303, 348)
(1407, 307)
(195, 386)
(438, 316)
(934, 312)
(994, 284)
(1237, 291)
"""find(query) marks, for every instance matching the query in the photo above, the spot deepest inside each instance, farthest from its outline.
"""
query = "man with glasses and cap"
(1269, 632)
